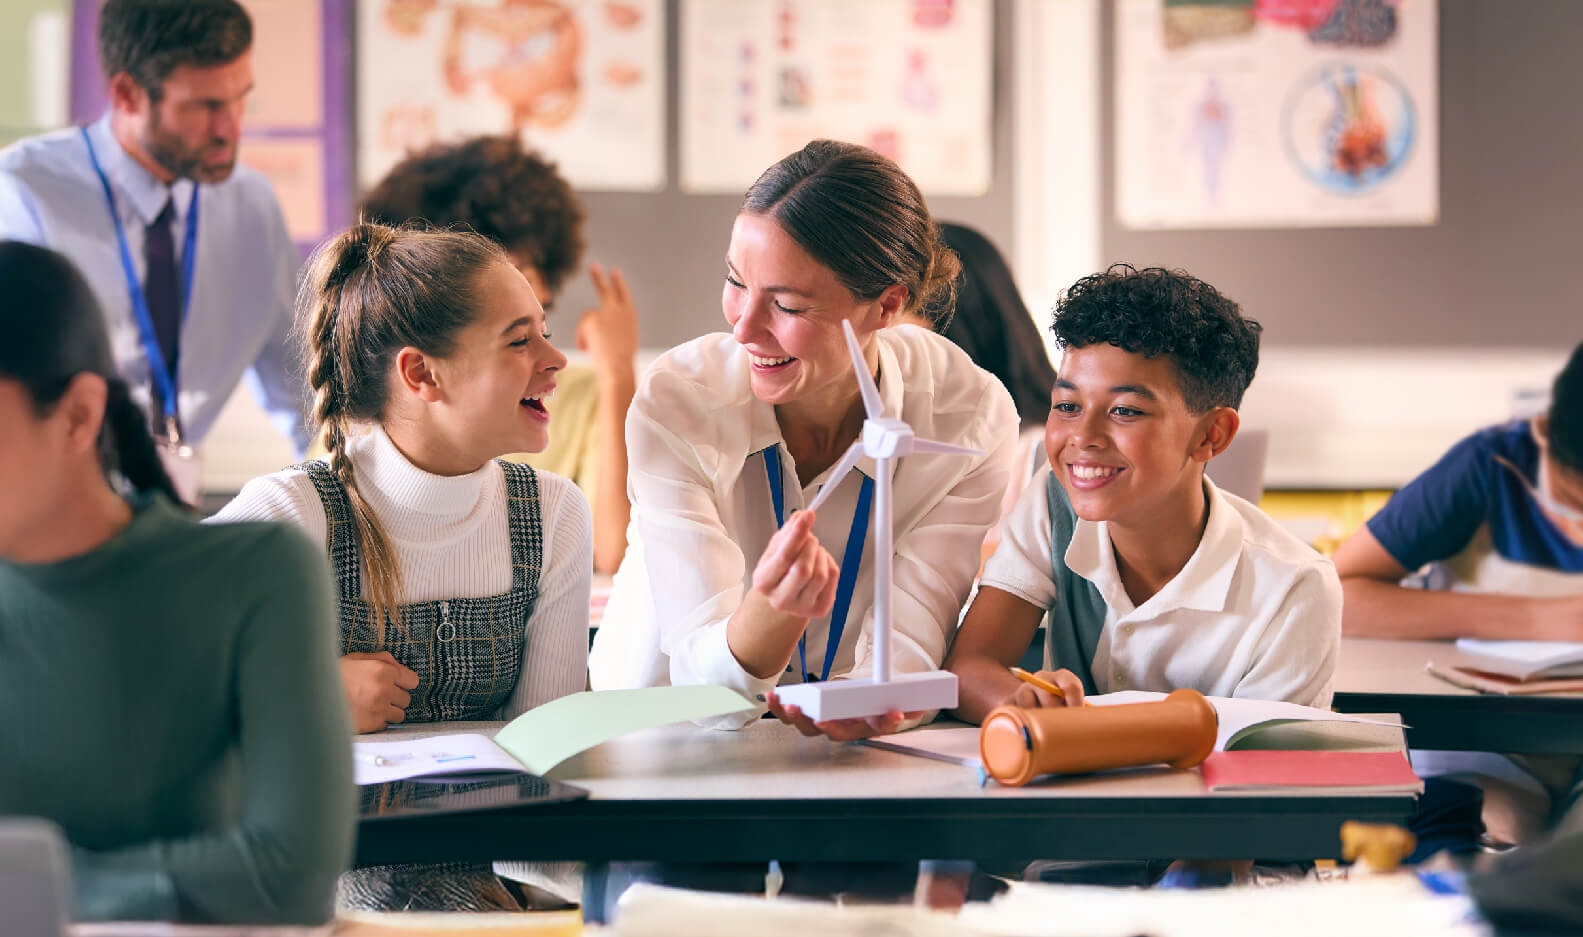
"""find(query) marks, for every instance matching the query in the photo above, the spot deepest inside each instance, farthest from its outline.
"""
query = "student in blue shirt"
(151, 205)
(1499, 521)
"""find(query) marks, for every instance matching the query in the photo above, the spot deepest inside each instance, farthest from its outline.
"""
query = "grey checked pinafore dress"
(467, 653)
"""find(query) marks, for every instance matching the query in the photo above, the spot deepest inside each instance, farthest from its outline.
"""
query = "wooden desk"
(681, 793)
(1389, 676)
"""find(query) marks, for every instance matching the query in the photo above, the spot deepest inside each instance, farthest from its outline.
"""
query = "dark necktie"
(163, 292)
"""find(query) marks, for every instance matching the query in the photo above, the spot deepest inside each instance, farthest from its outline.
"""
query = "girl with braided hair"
(463, 580)
(135, 637)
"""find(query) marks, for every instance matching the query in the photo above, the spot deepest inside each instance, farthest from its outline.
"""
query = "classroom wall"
(672, 245)
(1382, 345)
(1495, 272)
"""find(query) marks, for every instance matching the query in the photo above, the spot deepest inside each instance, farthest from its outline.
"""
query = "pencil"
(1042, 684)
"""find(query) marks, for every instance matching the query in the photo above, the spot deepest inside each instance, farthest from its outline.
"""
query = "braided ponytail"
(349, 257)
(368, 293)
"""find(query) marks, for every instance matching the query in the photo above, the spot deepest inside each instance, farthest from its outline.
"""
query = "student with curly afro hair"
(517, 198)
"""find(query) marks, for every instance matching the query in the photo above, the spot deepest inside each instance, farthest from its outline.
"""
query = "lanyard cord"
(851, 559)
(164, 378)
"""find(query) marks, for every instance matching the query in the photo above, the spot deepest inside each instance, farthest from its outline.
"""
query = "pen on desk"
(368, 758)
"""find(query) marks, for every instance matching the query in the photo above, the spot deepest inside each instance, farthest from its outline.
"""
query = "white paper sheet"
(438, 755)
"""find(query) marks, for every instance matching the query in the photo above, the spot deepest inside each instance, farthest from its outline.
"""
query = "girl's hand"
(795, 573)
(1029, 696)
(840, 730)
(377, 688)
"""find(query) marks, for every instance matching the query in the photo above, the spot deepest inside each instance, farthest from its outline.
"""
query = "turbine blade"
(865, 381)
(849, 459)
(942, 448)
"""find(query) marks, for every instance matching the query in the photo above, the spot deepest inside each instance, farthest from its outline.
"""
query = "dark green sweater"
(172, 700)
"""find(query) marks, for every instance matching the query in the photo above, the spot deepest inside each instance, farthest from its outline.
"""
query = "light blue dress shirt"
(239, 320)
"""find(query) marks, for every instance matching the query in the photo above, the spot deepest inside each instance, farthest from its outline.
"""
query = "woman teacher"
(724, 581)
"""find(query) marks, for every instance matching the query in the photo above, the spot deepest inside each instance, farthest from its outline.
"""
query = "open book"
(1243, 724)
(1522, 660)
(543, 737)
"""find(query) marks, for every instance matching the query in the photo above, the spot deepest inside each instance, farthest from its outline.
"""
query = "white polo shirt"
(1254, 613)
(702, 515)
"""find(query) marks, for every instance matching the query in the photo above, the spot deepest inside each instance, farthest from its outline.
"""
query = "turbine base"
(854, 699)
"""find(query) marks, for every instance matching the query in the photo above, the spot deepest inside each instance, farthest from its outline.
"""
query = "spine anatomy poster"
(583, 81)
(909, 78)
(1276, 113)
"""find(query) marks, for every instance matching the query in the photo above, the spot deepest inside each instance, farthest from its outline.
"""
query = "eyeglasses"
(1561, 512)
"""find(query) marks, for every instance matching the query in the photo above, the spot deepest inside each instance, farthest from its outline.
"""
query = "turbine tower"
(884, 439)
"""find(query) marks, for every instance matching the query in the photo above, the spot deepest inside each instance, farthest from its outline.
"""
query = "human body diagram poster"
(1276, 113)
(583, 81)
(909, 78)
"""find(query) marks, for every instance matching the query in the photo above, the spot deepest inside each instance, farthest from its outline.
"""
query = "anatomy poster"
(1276, 113)
(910, 78)
(583, 81)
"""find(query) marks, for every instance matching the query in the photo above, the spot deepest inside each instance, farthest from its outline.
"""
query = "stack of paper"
(1376, 905)
(1522, 660)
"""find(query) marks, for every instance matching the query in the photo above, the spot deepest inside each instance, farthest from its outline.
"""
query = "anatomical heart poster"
(1276, 113)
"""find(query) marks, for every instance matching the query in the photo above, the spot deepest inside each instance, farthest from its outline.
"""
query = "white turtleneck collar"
(413, 504)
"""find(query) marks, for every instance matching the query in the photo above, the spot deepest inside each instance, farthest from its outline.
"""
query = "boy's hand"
(840, 730)
(377, 688)
(796, 574)
(608, 332)
(1029, 696)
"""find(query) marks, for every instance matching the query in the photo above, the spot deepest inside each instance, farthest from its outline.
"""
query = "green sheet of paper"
(544, 737)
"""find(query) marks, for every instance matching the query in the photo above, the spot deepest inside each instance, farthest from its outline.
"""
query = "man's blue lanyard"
(164, 377)
(850, 560)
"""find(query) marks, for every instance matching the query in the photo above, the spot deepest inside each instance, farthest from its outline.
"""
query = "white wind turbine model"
(884, 439)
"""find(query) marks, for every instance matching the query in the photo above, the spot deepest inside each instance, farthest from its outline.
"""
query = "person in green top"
(169, 690)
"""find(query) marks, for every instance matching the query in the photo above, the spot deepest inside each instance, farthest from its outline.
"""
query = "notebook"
(542, 737)
(1525, 660)
(1244, 723)
(1471, 679)
(1302, 772)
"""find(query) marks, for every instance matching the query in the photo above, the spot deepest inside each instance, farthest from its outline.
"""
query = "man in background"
(186, 250)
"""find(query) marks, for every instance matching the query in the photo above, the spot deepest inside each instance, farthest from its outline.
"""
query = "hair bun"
(356, 248)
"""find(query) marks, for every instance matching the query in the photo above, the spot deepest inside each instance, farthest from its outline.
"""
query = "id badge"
(182, 465)
(180, 461)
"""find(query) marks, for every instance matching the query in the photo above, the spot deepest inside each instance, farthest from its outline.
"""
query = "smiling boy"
(1153, 578)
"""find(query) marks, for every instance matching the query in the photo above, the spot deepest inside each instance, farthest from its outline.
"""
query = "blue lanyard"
(164, 377)
(850, 559)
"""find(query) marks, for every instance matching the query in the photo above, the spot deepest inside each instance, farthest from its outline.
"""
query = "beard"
(181, 161)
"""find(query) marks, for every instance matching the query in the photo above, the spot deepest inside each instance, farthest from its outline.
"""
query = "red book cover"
(1373, 772)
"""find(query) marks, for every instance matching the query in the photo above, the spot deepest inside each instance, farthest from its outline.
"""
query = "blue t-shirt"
(1444, 513)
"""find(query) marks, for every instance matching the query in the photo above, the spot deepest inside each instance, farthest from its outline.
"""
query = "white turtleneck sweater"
(451, 539)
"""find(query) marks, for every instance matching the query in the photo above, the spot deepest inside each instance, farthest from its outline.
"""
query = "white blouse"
(702, 515)
(452, 539)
